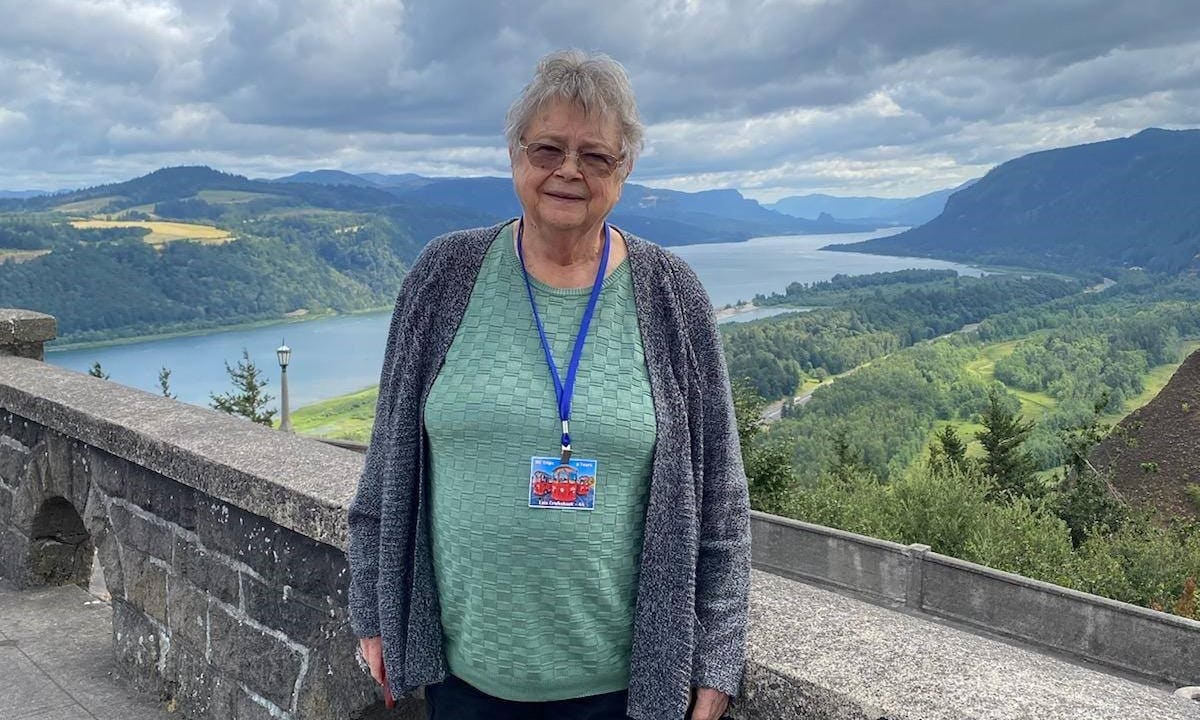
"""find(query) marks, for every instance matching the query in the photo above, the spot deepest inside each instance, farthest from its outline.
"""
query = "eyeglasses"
(545, 156)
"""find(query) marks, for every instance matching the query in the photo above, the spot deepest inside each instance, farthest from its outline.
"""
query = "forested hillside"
(1055, 350)
(191, 247)
(870, 316)
(99, 290)
(1122, 203)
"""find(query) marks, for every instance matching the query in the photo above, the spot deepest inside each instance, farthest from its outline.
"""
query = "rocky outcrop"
(1154, 452)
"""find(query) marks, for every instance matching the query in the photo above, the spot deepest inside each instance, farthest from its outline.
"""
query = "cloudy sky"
(879, 97)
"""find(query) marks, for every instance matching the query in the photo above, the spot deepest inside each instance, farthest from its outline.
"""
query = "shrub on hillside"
(1141, 563)
(949, 510)
(938, 506)
(855, 502)
(1021, 537)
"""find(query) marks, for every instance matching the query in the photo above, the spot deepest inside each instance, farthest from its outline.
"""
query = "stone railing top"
(815, 653)
(26, 326)
(299, 483)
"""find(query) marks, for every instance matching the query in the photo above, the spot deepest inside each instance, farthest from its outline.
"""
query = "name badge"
(567, 487)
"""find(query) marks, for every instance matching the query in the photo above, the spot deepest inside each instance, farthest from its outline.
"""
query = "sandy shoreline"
(735, 310)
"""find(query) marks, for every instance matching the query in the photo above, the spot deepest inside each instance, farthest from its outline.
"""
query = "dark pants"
(454, 699)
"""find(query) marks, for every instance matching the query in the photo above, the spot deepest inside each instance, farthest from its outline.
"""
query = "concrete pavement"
(56, 659)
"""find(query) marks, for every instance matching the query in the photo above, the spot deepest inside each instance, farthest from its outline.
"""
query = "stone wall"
(221, 542)
(224, 612)
(1156, 646)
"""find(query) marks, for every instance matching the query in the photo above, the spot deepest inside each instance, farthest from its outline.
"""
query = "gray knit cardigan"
(691, 608)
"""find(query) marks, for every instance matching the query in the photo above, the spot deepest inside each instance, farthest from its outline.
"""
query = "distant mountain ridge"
(894, 211)
(22, 194)
(1118, 203)
(669, 217)
(326, 177)
(185, 182)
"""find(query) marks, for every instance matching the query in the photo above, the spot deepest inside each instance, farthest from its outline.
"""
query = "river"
(337, 355)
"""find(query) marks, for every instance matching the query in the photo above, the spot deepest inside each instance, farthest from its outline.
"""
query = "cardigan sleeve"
(723, 562)
(366, 508)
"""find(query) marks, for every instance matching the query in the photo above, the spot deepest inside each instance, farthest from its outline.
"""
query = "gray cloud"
(857, 96)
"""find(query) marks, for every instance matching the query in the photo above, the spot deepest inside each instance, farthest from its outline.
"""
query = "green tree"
(847, 461)
(1086, 500)
(98, 372)
(950, 448)
(248, 398)
(768, 467)
(164, 382)
(1005, 460)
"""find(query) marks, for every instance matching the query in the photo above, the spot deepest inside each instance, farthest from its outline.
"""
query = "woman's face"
(567, 199)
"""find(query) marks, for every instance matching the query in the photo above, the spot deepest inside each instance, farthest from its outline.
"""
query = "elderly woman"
(553, 517)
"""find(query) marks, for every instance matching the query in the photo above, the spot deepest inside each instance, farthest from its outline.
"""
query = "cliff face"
(1155, 451)
(1117, 203)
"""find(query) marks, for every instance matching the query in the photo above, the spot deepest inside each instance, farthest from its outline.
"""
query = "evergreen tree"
(954, 450)
(847, 462)
(1086, 499)
(248, 398)
(98, 372)
(1005, 460)
(164, 382)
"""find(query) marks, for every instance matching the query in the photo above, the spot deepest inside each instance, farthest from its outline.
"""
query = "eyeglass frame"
(617, 162)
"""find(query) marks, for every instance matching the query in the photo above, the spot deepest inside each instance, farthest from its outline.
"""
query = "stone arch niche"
(52, 532)
(60, 549)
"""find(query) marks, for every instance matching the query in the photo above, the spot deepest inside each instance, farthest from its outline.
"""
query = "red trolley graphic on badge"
(555, 485)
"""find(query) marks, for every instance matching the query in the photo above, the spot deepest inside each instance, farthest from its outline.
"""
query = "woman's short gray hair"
(596, 83)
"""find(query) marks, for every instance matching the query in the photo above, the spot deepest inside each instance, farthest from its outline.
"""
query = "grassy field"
(232, 196)
(18, 256)
(164, 232)
(348, 417)
(1034, 404)
(89, 206)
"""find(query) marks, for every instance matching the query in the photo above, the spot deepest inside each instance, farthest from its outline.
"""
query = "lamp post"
(284, 353)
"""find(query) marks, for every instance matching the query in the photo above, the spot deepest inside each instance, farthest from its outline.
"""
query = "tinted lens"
(551, 157)
(545, 157)
(597, 164)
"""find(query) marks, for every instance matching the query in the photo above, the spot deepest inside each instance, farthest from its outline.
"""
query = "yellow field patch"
(164, 232)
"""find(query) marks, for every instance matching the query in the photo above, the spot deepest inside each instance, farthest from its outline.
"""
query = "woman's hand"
(710, 704)
(372, 652)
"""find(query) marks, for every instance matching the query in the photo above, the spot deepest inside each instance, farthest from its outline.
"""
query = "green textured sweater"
(537, 604)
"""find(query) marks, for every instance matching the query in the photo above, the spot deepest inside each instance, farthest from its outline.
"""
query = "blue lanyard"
(564, 390)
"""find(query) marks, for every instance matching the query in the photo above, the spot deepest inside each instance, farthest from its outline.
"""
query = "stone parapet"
(295, 482)
(820, 655)
(1156, 646)
(221, 542)
(24, 333)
